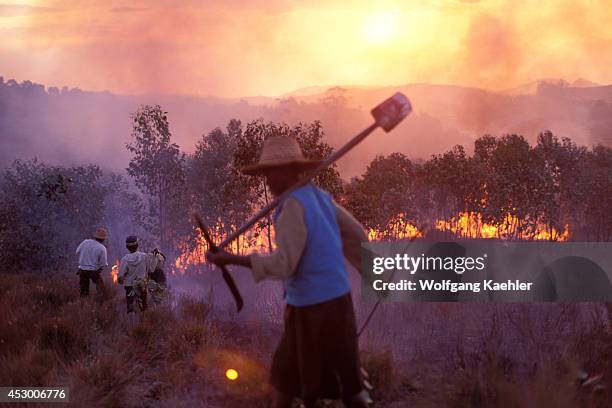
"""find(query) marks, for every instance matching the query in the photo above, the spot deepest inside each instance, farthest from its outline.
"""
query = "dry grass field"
(418, 355)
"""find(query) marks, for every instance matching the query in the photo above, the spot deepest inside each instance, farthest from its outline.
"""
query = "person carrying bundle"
(135, 269)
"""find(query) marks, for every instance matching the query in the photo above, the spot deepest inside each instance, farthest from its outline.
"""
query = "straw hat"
(101, 234)
(279, 151)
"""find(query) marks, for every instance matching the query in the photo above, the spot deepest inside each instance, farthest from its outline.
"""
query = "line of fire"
(463, 226)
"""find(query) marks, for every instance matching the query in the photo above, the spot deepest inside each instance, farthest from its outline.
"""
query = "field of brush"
(177, 353)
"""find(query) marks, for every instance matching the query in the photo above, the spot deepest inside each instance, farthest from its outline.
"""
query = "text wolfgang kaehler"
(424, 264)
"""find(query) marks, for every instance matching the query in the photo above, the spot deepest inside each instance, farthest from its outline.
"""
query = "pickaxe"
(226, 275)
(387, 115)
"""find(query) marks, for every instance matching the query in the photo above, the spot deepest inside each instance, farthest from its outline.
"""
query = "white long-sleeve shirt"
(91, 255)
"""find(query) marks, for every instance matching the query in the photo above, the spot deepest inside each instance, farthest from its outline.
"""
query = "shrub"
(66, 339)
(109, 380)
(192, 308)
(26, 368)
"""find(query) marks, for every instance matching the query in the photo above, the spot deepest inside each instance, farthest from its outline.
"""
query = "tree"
(597, 177)
(310, 138)
(383, 192)
(46, 211)
(549, 158)
(308, 135)
(219, 192)
(157, 168)
(455, 184)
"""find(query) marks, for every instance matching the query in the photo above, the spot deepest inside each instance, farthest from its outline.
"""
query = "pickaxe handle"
(226, 275)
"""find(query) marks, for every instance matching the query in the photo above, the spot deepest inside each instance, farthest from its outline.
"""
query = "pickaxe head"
(391, 112)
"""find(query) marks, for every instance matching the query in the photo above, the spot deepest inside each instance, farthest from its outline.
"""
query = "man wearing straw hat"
(319, 346)
(92, 259)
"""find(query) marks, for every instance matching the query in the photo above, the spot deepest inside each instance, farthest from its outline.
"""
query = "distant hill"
(532, 87)
(71, 125)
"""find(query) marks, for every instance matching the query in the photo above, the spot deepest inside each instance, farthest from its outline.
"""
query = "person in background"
(92, 258)
(135, 270)
(157, 277)
(313, 235)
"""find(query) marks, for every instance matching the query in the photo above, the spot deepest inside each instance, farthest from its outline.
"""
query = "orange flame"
(253, 240)
(471, 225)
(115, 272)
(397, 228)
(467, 225)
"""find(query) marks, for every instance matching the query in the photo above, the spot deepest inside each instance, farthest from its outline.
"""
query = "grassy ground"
(176, 354)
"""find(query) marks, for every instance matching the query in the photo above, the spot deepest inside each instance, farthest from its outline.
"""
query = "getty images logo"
(412, 264)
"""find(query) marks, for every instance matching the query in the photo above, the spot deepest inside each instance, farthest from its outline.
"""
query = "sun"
(380, 27)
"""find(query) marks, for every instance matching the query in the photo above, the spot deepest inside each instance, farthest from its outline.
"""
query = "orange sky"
(245, 48)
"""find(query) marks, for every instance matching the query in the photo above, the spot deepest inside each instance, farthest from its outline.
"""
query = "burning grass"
(472, 225)
(465, 225)
(193, 254)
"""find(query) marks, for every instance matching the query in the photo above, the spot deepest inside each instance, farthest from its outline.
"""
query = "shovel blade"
(392, 111)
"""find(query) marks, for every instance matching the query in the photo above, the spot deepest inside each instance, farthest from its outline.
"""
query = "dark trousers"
(136, 298)
(318, 354)
(94, 276)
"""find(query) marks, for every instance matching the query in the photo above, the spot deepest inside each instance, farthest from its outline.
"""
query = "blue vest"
(320, 275)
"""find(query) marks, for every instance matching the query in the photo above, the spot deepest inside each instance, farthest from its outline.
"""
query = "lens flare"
(231, 374)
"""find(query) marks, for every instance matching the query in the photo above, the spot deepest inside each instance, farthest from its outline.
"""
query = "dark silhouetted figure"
(572, 279)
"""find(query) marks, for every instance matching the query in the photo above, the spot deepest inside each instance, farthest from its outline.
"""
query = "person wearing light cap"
(313, 235)
(92, 259)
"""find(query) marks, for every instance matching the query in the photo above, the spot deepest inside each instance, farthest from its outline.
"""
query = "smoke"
(239, 48)
(508, 44)
(76, 127)
(150, 47)
(493, 55)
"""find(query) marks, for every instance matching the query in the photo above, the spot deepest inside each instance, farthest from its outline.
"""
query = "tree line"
(518, 188)
(506, 183)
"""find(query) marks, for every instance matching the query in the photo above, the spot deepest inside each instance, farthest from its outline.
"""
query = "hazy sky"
(245, 48)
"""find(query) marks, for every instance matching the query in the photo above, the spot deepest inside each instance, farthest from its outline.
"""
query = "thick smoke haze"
(242, 48)
(74, 126)
(491, 56)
